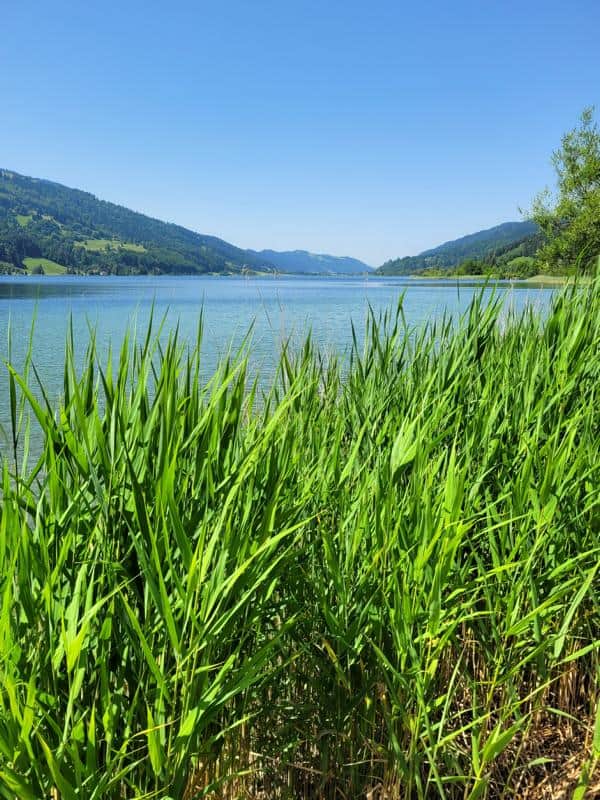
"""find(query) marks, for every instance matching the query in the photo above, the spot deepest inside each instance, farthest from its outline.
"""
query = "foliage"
(379, 576)
(571, 219)
(522, 267)
(470, 266)
(502, 267)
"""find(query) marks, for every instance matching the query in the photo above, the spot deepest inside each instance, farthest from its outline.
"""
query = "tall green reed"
(376, 576)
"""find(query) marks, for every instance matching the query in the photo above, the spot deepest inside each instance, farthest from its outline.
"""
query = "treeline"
(44, 219)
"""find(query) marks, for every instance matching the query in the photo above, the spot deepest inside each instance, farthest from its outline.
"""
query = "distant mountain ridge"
(301, 261)
(484, 245)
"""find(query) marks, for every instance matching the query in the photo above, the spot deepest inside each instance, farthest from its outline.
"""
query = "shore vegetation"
(378, 578)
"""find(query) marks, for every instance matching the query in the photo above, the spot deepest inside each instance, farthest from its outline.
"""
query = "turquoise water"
(277, 308)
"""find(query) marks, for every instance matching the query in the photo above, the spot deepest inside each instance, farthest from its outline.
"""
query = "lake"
(277, 307)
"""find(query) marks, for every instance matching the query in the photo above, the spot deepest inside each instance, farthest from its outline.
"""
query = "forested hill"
(48, 227)
(303, 261)
(509, 240)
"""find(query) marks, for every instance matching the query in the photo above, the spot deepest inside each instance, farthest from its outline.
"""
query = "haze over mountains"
(303, 261)
(47, 227)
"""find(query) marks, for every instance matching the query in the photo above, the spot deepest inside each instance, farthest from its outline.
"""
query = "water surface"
(278, 309)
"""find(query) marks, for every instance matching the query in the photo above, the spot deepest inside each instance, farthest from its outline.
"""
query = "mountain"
(48, 227)
(303, 261)
(486, 246)
(45, 226)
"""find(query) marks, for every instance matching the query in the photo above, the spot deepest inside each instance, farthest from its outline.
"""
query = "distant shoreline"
(537, 280)
(546, 280)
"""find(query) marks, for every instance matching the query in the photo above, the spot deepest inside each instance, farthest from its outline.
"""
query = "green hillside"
(500, 243)
(44, 220)
(43, 266)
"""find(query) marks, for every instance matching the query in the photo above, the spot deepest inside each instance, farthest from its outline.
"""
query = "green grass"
(24, 219)
(134, 248)
(380, 575)
(556, 280)
(49, 267)
(101, 245)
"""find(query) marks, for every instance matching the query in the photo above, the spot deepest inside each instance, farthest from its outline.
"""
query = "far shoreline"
(538, 280)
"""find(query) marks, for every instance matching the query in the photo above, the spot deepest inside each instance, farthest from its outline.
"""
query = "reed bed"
(378, 579)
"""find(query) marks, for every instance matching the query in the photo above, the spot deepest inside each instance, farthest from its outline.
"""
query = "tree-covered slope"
(486, 245)
(40, 220)
(303, 261)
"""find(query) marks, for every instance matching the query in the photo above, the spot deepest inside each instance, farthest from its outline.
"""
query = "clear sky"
(371, 129)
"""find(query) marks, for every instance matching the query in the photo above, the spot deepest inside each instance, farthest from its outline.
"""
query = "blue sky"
(371, 129)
